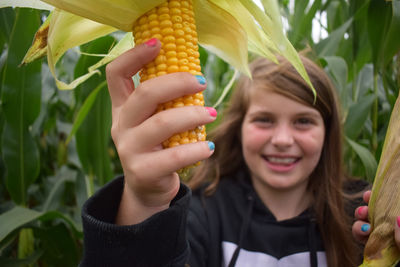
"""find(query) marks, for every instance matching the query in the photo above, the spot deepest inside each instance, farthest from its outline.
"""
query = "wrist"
(134, 209)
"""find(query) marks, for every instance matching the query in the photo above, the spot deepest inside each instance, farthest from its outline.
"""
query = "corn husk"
(228, 28)
(384, 205)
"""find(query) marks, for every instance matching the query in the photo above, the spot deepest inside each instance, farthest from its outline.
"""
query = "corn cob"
(384, 205)
(174, 25)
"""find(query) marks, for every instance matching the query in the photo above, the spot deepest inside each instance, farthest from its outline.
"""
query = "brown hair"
(326, 181)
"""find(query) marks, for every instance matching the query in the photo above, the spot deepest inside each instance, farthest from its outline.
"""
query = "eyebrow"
(309, 113)
(314, 114)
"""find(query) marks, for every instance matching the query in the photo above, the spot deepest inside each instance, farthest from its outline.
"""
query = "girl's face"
(282, 142)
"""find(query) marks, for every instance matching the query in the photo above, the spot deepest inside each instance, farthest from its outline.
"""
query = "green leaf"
(93, 136)
(84, 110)
(357, 116)
(392, 42)
(379, 17)
(338, 69)
(361, 50)
(364, 81)
(21, 84)
(329, 45)
(302, 21)
(21, 159)
(366, 157)
(226, 89)
(21, 262)
(54, 197)
(15, 218)
(58, 244)
(7, 16)
(20, 100)
(18, 216)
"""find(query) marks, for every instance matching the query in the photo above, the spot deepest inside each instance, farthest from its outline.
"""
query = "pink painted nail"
(151, 42)
(212, 111)
(398, 221)
(361, 210)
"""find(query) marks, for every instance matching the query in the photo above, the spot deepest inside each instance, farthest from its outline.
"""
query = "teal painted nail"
(365, 227)
(211, 145)
(200, 79)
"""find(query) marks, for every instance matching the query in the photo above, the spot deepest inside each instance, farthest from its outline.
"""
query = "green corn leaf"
(378, 24)
(329, 45)
(20, 104)
(84, 110)
(59, 245)
(302, 21)
(357, 116)
(392, 42)
(366, 157)
(93, 136)
(19, 216)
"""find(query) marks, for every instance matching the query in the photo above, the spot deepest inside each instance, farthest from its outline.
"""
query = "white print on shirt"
(257, 259)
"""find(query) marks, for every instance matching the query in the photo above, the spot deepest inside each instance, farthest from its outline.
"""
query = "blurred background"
(56, 149)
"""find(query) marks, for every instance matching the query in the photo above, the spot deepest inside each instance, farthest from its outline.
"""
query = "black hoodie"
(232, 227)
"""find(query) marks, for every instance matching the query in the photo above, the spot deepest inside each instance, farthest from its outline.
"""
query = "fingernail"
(151, 42)
(365, 227)
(211, 145)
(398, 221)
(200, 79)
(212, 111)
(361, 210)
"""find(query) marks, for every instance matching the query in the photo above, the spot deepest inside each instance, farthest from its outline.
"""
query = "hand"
(361, 228)
(150, 178)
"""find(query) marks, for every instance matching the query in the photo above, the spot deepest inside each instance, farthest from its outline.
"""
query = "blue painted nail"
(200, 79)
(211, 145)
(365, 227)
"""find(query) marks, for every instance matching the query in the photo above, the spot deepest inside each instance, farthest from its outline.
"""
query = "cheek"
(312, 144)
(252, 138)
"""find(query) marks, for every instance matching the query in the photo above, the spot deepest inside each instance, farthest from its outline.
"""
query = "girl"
(271, 195)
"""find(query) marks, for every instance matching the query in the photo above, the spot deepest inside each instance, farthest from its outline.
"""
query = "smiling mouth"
(281, 160)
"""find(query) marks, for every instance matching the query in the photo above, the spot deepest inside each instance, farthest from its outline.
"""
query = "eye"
(263, 121)
(304, 122)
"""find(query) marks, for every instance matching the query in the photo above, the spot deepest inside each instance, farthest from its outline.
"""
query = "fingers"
(367, 196)
(361, 231)
(361, 228)
(142, 103)
(168, 161)
(361, 213)
(165, 124)
(120, 71)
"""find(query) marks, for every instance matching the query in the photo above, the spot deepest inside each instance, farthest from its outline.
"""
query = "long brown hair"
(326, 181)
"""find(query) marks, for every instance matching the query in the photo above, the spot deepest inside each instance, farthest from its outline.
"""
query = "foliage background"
(56, 150)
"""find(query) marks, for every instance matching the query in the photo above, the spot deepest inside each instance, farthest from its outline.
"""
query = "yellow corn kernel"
(173, 24)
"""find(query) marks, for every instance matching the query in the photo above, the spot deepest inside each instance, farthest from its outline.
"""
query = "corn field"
(55, 145)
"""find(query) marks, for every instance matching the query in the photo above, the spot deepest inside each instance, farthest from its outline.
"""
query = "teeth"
(281, 160)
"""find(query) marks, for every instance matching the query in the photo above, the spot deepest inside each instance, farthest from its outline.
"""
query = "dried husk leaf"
(384, 205)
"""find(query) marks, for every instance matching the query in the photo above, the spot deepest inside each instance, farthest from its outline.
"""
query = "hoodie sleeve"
(158, 241)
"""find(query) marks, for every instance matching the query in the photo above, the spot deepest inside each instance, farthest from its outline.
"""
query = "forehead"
(271, 101)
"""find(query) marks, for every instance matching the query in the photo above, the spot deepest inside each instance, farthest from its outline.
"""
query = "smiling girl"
(270, 191)
(287, 146)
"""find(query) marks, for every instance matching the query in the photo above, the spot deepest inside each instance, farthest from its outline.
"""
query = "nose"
(282, 136)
